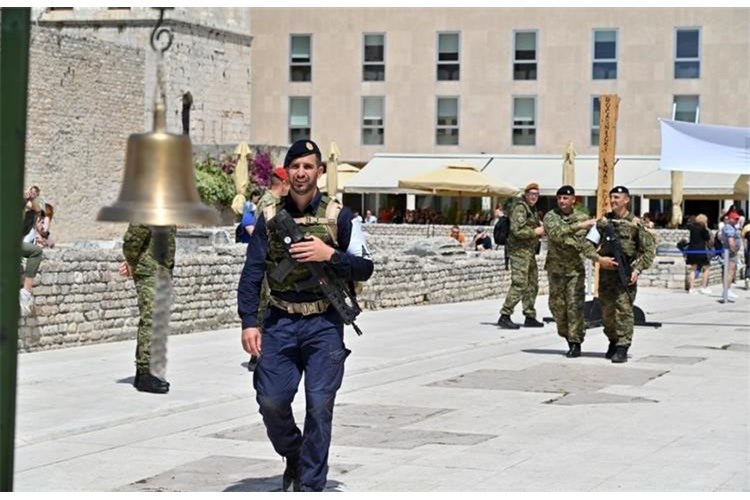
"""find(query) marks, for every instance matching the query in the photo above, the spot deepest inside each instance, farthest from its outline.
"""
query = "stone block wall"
(81, 299)
(85, 99)
(92, 79)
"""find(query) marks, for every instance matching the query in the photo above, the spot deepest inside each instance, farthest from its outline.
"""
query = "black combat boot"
(574, 351)
(507, 323)
(291, 474)
(621, 354)
(611, 350)
(532, 323)
(146, 382)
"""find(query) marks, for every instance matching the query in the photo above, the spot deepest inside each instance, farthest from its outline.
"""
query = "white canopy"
(692, 147)
(641, 174)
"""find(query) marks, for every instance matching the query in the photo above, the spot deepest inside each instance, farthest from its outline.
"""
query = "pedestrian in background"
(140, 264)
(699, 254)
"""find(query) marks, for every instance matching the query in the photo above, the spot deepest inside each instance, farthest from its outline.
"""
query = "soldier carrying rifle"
(303, 333)
(621, 235)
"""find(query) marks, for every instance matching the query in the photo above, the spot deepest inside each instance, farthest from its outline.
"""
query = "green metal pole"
(14, 74)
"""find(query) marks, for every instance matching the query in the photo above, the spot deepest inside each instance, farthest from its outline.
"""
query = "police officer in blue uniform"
(302, 333)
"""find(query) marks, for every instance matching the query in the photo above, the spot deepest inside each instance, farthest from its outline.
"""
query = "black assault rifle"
(336, 291)
(613, 248)
(624, 270)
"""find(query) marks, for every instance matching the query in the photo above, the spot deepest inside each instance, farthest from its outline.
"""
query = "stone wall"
(92, 77)
(85, 98)
(81, 299)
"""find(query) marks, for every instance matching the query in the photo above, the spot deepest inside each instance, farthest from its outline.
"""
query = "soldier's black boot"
(146, 382)
(575, 350)
(621, 354)
(507, 323)
(611, 350)
(532, 323)
(292, 474)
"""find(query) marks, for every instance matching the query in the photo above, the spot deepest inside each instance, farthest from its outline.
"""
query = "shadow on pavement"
(272, 483)
(561, 353)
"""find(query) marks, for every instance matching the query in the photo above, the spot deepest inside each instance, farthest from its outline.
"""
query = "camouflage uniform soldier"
(139, 263)
(565, 229)
(525, 231)
(639, 247)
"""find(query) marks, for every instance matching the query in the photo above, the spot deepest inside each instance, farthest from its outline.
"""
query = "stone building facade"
(92, 80)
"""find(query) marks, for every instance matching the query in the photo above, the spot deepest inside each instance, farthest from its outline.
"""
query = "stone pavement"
(435, 398)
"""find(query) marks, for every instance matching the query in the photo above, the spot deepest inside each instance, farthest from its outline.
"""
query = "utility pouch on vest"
(335, 290)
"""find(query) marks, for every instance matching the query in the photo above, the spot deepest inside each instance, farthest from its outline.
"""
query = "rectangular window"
(524, 121)
(373, 123)
(524, 56)
(605, 55)
(300, 58)
(446, 133)
(595, 112)
(448, 52)
(686, 108)
(687, 58)
(373, 68)
(299, 118)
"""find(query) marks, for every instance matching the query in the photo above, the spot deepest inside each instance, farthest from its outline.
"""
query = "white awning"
(692, 147)
(641, 174)
(545, 170)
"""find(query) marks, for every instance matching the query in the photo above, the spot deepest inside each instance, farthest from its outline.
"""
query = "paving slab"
(435, 398)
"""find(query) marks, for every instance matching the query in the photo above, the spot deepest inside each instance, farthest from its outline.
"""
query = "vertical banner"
(609, 105)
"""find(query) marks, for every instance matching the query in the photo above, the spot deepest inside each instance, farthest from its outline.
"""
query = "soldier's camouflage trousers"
(567, 294)
(144, 287)
(524, 283)
(617, 307)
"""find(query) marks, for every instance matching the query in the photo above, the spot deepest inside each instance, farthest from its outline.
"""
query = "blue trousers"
(294, 345)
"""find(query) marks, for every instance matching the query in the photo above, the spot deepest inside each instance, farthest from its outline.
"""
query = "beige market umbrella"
(344, 172)
(569, 165)
(240, 177)
(458, 180)
(331, 183)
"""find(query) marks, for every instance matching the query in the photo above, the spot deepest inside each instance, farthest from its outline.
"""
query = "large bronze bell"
(158, 187)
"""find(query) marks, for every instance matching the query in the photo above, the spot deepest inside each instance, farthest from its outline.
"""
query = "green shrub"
(215, 186)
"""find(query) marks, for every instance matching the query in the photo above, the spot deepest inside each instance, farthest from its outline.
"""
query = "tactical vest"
(324, 225)
(626, 231)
